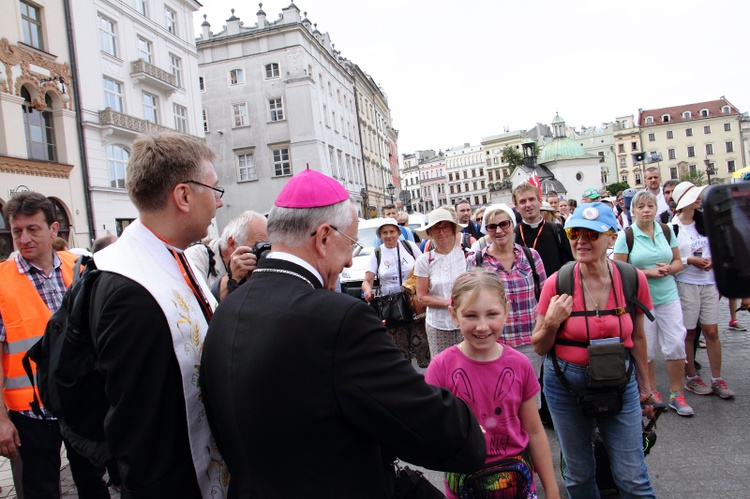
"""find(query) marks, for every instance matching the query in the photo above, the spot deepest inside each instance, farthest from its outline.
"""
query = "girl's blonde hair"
(467, 287)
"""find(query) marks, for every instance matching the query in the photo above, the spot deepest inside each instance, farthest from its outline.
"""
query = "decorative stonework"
(13, 55)
(35, 168)
(121, 120)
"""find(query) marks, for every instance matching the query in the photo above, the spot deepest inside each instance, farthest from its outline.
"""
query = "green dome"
(561, 148)
(558, 119)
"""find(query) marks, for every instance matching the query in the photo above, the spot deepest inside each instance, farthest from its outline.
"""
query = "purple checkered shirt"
(519, 289)
(50, 287)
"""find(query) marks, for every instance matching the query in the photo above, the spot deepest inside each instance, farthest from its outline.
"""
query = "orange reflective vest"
(25, 317)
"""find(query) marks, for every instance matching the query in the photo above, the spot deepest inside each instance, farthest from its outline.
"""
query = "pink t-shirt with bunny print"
(494, 390)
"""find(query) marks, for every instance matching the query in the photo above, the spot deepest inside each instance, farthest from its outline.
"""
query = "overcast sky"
(458, 71)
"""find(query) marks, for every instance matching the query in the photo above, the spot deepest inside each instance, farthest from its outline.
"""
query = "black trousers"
(40, 456)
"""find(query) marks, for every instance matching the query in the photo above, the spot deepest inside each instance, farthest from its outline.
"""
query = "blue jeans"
(621, 434)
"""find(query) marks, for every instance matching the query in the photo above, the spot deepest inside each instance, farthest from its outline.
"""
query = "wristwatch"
(232, 284)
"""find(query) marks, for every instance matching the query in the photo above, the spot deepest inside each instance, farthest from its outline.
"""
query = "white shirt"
(388, 271)
(442, 271)
(691, 243)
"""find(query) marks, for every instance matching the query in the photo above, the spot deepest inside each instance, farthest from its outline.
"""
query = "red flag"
(534, 180)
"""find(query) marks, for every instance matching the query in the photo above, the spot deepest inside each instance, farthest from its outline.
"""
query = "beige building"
(466, 175)
(692, 137)
(39, 146)
(627, 138)
(498, 172)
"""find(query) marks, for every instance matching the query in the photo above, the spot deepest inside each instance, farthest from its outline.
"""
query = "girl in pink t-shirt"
(497, 383)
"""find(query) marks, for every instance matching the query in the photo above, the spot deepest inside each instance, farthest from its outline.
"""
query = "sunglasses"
(575, 233)
(503, 225)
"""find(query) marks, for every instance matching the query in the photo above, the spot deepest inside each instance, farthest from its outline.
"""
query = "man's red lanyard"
(536, 238)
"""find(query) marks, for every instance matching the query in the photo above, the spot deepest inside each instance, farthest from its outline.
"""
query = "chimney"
(261, 17)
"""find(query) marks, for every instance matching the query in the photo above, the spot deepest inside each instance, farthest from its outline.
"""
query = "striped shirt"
(50, 287)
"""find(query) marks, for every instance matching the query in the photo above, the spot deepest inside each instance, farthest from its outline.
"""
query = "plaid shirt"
(50, 287)
(519, 289)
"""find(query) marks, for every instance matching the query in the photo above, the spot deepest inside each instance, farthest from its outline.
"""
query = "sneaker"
(696, 385)
(719, 387)
(678, 403)
(735, 325)
(702, 343)
(657, 396)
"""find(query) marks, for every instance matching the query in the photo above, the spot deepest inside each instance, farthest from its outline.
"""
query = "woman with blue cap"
(592, 318)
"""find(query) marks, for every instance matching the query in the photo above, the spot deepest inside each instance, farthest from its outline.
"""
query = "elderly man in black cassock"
(306, 394)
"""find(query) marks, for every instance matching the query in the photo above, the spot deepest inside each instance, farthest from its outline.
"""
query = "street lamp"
(710, 170)
(391, 190)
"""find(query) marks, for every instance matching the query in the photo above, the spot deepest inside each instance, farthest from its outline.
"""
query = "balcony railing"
(163, 79)
(108, 117)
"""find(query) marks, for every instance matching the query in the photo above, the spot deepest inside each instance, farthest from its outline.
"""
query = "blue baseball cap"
(594, 216)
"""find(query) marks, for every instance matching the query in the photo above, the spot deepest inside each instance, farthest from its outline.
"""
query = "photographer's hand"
(242, 262)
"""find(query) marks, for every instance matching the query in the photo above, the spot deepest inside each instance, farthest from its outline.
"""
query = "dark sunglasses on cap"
(503, 225)
(575, 233)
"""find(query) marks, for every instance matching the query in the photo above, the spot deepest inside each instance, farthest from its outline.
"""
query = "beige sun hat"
(686, 193)
(435, 217)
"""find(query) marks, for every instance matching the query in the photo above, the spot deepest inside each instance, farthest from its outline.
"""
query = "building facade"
(465, 166)
(432, 180)
(39, 145)
(627, 138)
(600, 140)
(138, 74)
(690, 138)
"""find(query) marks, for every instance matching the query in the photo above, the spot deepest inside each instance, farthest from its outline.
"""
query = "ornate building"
(39, 146)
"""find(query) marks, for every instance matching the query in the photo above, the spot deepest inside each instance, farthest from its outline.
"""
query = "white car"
(351, 278)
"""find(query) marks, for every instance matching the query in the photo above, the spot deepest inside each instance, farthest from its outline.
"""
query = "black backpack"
(66, 359)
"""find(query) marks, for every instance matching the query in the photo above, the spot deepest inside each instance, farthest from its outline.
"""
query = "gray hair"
(238, 229)
(643, 196)
(293, 226)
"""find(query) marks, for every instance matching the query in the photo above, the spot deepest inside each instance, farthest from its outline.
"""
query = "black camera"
(261, 249)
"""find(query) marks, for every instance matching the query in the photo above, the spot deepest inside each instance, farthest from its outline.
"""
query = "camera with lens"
(261, 249)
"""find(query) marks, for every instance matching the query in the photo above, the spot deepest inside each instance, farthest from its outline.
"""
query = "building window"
(175, 65)
(688, 132)
(117, 160)
(170, 20)
(180, 118)
(150, 107)
(245, 167)
(707, 129)
(205, 121)
(325, 116)
(671, 154)
(140, 6)
(665, 118)
(272, 71)
(621, 148)
(691, 151)
(31, 23)
(239, 111)
(623, 163)
(729, 146)
(726, 110)
(651, 137)
(202, 84)
(107, 36)
(144, 49)
(727, 127)
(637, 179)
(704, 113)
(692, 169)
(673, 173)
(670, 134)
(686, 115)
(649, 120)
(709, 148)
(39, 128)
(730, 166)
(624, 177)
(275, 109)
(112, 94)
(237, 77)
(281, 164)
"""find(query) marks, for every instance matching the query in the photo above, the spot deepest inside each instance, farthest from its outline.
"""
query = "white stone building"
(137, 73)
(276, 98)
(466, 176)
(39, 146)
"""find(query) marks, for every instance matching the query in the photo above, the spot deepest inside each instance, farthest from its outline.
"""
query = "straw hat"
(435, 217)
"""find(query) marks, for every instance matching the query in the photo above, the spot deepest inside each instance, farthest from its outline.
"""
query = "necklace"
(605, 289)
(287, 272)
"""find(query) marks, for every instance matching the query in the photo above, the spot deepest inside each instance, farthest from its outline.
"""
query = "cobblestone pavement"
(703, 457)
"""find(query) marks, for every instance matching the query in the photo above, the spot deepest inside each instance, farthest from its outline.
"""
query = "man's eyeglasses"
(356, 247)
(216, 189)
(503, 225)
(575, 233)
